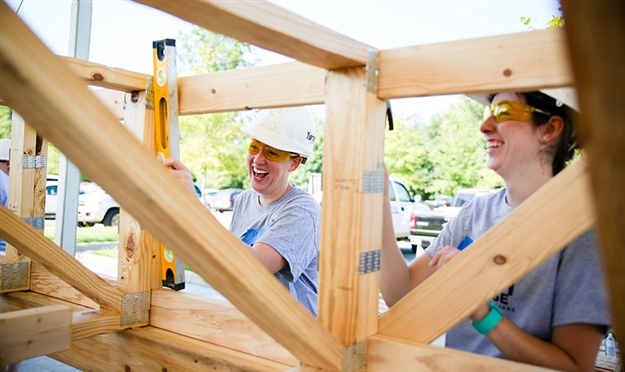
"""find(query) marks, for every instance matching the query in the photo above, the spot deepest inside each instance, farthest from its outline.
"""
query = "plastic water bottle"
(610, 346)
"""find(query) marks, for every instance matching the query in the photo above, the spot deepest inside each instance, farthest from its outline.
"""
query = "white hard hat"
(287, 129)
(563, 96)
(5, 148)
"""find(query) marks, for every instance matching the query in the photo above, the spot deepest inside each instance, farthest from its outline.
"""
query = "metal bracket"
(354, 357)
(34, 162)
(14, 276)
(372, 181)
(135, 308)
(371, 74)
(37, 223)
(368, 262)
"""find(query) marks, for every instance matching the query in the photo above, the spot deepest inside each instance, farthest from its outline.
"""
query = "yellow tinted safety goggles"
(510, 110)
(254, 147)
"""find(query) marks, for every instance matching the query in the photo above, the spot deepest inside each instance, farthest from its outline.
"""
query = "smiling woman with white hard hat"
(278, 221)
(557, 314)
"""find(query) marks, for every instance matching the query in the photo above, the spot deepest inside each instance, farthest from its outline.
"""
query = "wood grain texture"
(113, 100)
(281, 85)
(552, 217)
(151, 349)
(27, 299)
(181, 222)
(91, 323)
(139, 258)
(107, 77)
(595, 37)
(386, 353)
(516, 62)
(34, 332)
(57, 261)
(44, 282)
(354, 144)
(214, 321)
(270, 27)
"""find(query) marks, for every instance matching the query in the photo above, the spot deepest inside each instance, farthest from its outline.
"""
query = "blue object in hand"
(465, 243)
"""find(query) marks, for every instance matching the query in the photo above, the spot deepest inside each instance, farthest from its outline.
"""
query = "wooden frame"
(40, 86)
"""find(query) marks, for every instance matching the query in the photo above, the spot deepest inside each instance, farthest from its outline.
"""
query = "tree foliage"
(5, 122)
(211, 145)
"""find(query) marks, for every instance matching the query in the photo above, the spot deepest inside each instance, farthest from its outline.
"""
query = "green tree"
(458, 150)
(211, 145)
(406, 154)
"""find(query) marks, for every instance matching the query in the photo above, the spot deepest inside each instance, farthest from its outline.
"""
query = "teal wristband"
(490, 321)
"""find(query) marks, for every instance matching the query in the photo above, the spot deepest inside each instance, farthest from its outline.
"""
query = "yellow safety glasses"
(510, 110)
(270, 153)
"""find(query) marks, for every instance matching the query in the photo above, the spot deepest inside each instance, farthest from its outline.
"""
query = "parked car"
(462, 196)
(96, 206)
(208, 196)
(425, 225)
(52, 190)
(224, 199)
(439, 201)
(401, 208)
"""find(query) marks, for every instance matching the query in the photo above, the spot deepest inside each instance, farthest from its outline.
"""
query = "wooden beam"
(28, 299)
(386, 353)
(282, 85)
(139, 257)
(153, 349)
(270, 27)
(352, 206)
(595, 37)
(34, 332)
(61, 264)
(548, 220)
(517, 62)
(113, 100)
(44, 282)
(91, 323)
(214, 321)
(146, 189)
(105, 76)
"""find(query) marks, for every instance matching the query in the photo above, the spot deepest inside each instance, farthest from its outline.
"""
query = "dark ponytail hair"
(564, 148)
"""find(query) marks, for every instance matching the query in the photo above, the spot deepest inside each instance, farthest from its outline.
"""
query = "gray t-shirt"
(567, 288)
(289, 225)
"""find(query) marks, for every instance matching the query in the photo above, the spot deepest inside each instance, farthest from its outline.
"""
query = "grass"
(96, 233)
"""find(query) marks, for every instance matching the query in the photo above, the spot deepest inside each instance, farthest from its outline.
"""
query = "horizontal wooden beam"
(34, 332)
(105, 76)
(386, 353)
(270, 27)
(543, 224)
(153, 349)
(516, 62)
(281, 85)
(90, 323)
(28, 299)
(145, 188)
(214, 321)
(39, 248)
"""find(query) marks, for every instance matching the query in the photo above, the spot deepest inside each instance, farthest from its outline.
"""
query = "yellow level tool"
(167, 137)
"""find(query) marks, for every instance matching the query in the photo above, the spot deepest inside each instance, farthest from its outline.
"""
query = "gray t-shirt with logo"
(567, 288)
(291, 226)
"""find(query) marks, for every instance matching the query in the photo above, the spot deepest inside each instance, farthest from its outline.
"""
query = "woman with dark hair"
(557, 314)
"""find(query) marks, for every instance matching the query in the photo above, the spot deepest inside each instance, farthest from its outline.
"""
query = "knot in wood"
(98, 77)
(213, 91)
(499, 259)
(130, 246)
(134, 97)
(507, 72)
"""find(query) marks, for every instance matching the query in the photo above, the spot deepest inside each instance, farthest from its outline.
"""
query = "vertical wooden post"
(353, 185)
(595, 33)
(139, 252)
(27, 190)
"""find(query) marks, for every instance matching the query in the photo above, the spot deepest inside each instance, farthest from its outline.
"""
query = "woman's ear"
(551, 129)
(295, 164)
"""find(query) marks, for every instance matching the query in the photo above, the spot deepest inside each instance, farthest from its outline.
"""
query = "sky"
(123, 31)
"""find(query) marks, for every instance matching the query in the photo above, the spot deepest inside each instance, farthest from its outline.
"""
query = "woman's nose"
(488, 125)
